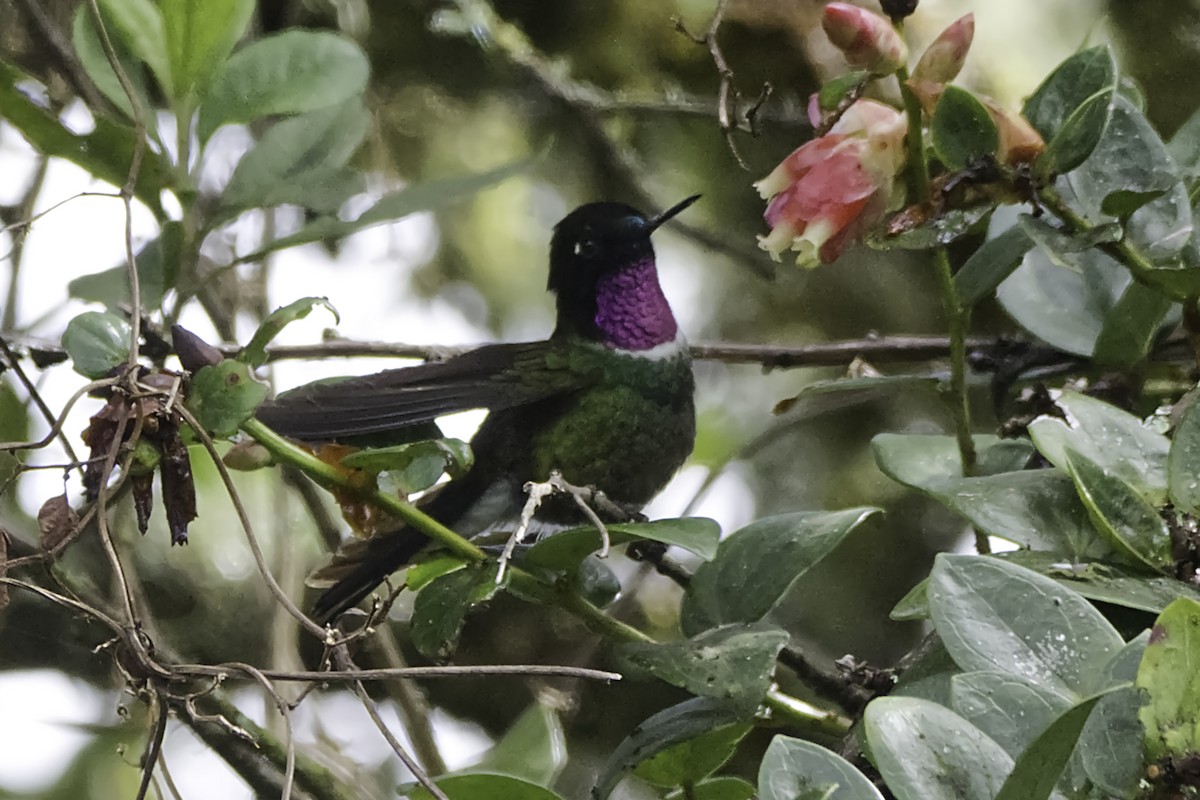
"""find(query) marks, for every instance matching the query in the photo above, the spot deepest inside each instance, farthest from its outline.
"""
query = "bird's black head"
(594, 240)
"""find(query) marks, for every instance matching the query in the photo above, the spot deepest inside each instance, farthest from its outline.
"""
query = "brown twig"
(34, 395)
(153, 747)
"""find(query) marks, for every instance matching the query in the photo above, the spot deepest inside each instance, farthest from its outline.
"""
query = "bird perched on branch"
(606, 400)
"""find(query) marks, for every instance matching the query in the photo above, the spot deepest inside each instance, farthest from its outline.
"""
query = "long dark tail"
(383, 555)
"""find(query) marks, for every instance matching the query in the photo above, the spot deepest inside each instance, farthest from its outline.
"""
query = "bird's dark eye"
(586, 248)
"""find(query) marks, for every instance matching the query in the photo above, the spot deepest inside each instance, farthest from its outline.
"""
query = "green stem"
(1139, 266)
(523, 584)
(958, 318)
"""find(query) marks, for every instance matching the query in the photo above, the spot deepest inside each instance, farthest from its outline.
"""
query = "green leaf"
(1079, 135)
(482, 786)
(596, 581)
(1131, 327)
(442, 606)
(413, 467)
(691, 761)
(95, 63)
(140, 25)
(1132, 526)
(927, 752)
(1122, 203)
(96, 342)
(298, 159)
(106, 153)
(1115, 440)
(663, 730)
(988, 266)
(993, 615)
(733, 663)
(1107, 583)
(1038, 769)
(1110, 749)
(716, 789)
(962, 130)
(834, 91)
(1011, 709)
(533, 749)
(1183, 462)
(791, 767)
(756, 566)
(156, 262)
(200, 34)
(1184, 146)
(942, 229)
(223, 396)
(1072, 83)
(914, 605)
(287, 73)
(255, 352)
(821, 397)
(1035, 508)
(427, 196)
(1066, 308)
(428, 566)
(1169, 677)
(565, 550)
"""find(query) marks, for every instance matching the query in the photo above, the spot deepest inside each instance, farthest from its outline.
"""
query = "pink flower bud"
(944, 58)
(827, 193)
(866, 39)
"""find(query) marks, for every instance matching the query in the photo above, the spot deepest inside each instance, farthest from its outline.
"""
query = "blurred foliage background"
(448, 96)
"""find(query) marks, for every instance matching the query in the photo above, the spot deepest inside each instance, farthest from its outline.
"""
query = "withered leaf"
(178, 487)
(143, 499)
(56, 521)
(3, 569)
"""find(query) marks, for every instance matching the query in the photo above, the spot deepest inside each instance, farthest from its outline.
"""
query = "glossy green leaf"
(1169, 677)
(1064, 307)
(427, 566)
(993, 615)
(106, 152)
(409, 468)
(1115, 440)
(792, 767)
(225, 395)
(927, 752)
(988, 266)
(1009, 708)
(156, 262)
(595, 581)
(96, 342)
(716, 789)
(1069, 86)
(1183, 462)
(1105, 582)
(288, 73)
(200, 34)
(565, 550)
(1184, 146)
(441, 607)
(426, 196)
(1110, 748)
(691, 761)
(661, 731)
(255, 352)
(914, 605)
(298, 158)
(961, 129)
(533, 749)
(1038, 769)
(1131, 327)
(733, 663)
(755, 567)
(483, 786)
(95, 62)
(139, 23)
(1132, 526)
(1122, 203)
(1035, 508)
(1079, 135)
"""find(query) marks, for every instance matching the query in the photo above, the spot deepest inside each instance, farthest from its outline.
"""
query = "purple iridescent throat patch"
(631, 311)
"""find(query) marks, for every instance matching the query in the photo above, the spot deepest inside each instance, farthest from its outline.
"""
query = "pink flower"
(866, 39)
(943, 59)
(826, 194)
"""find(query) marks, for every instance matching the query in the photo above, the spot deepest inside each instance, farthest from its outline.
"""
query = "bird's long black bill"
(670, 212)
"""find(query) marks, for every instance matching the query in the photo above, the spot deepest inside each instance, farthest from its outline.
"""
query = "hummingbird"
(606, 400)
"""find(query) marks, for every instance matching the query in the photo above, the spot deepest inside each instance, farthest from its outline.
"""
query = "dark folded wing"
(492, 377)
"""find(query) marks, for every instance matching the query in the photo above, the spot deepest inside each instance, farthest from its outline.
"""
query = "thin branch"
(153, 747)
(223, 671)
(57, 44)
(36, 396)
(341, 658)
